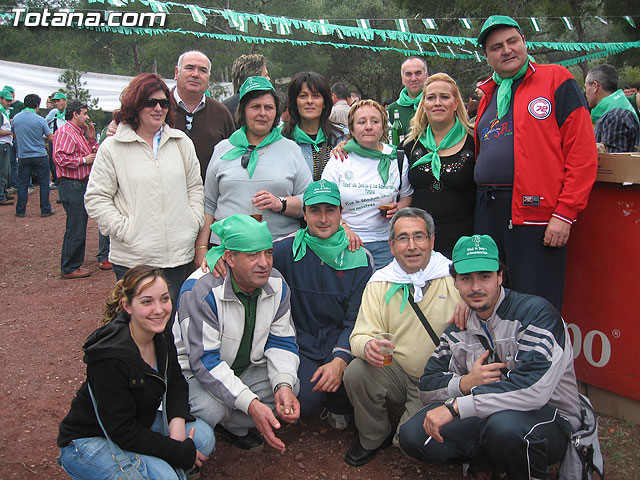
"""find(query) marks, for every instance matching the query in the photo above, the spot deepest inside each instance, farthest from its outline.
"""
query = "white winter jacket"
(151, 206)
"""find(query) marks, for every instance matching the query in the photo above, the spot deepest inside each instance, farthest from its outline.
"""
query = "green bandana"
(384, 159)
(405, 293)
(241, 145)
(504, 91)
(240, 233)
(615, 100)
(61, 115)
(427, 139)
(300, 136)
(404, 100)
(30, 110)
(332, 251)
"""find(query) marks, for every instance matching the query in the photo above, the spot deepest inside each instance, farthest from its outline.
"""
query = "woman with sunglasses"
(145, 189)
(256, 171)
(309, 125)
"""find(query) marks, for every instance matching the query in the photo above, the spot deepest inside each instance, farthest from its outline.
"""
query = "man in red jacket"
(536, 160)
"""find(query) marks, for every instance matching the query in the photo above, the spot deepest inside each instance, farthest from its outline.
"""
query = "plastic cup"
(386, 342)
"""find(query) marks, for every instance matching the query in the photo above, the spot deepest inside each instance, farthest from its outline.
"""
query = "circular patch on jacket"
(539, 108)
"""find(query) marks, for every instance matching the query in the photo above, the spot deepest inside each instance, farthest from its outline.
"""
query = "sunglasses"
(244, 161)
(152, 102)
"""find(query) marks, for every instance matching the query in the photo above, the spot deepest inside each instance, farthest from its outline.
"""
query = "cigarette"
(427, 440)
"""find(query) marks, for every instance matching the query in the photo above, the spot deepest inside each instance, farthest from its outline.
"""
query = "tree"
(74, 88)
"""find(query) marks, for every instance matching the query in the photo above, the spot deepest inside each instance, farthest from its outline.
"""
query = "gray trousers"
(208, 408)
(369, 389)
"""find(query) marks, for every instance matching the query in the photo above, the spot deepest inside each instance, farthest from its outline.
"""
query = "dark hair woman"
(309, 124)
(131, 362)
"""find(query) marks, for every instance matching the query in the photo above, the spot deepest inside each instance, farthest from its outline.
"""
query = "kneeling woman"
(131, 363)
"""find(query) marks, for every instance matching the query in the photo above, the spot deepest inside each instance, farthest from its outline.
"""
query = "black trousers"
(532, 267)
(521, 444)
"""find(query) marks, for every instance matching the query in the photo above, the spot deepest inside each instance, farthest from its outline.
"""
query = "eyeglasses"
(418, 238)
(189, 120)
(152, 102)
(244, 161)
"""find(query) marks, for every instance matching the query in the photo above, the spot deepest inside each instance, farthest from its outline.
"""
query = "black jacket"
(129, 393)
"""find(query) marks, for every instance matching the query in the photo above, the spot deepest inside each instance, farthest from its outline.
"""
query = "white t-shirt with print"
(362, 191)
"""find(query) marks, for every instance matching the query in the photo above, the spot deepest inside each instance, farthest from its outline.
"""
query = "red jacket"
(554, 146)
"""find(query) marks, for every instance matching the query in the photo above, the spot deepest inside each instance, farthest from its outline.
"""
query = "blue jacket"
(324, 301)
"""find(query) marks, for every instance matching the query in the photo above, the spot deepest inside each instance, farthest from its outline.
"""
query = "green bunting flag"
(430, 23)
(535, 24)
(402, 25)
(630, 21)
(466, 23)
(197, 14)
(567, 23)
(157, 6)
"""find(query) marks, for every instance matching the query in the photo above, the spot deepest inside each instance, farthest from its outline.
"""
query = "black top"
(128, 393)
(451, 200)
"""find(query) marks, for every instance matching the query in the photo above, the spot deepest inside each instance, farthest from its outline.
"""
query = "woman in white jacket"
(145, 189)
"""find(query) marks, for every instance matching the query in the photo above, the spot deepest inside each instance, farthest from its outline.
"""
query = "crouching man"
(235, 340)
(507, 381)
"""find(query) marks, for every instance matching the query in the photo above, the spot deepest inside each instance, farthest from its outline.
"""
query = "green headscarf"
(610, 102)
(504, 91)
(404, 100)
(332, 251)
(300, 136)
(241, 145)
(384, 159)
(427, 139)
(241, 233)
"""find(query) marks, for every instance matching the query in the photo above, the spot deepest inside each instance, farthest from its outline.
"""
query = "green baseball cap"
(59, 96)
(6, 94)
(493, 22)
(255, 83)
(9, 87)
(478, 253)
(322, 191)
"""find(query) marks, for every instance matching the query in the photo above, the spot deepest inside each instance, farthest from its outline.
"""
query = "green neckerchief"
(405, 293)
(3, 110)
(61, 115)
(615, 100)
(427, 139)
(404, 100)
(250, 303)
(300, 136)
(332, 251)
(239, 140)
(30, 110)
(504, 91)
(384, 159)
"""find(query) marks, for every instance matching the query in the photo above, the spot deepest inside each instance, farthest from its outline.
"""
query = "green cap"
(6, 94)
(478, 253)
(255, 83)
(322, 191)
(9, 87)
(59, 96)
(493, 22)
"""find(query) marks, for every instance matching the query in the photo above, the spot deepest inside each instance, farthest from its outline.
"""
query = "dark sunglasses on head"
(244, 161)
(152, 102)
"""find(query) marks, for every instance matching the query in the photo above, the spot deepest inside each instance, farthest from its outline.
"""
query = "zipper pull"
(510, 227)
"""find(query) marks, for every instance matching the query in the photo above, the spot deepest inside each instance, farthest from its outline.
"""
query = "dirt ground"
(45, 322)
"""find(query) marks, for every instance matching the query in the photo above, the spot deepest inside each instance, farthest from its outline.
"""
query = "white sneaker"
(336, 421)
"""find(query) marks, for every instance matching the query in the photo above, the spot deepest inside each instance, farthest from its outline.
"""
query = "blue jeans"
(13, 171)
(26, 167)
(5, 167)
(104, 243)
(71, 193)
(90, 458)
(381, 253)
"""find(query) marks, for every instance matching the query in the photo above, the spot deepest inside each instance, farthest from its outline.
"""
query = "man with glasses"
(412, 298)
(205, 120)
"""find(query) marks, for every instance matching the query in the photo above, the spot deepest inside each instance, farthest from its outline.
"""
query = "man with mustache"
(235, 339)
(502, 393)
(536, 160)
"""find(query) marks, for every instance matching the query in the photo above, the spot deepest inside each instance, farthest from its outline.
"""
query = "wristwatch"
(283, 200)
(449, 404)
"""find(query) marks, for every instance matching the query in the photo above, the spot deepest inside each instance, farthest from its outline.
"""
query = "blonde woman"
(369, 178)
(441, 158)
